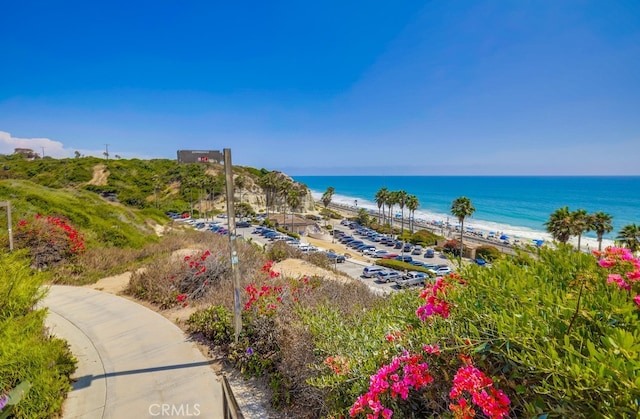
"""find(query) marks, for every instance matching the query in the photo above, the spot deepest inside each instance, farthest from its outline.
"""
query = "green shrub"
(214, 323)
(27, 352)
(488, 252)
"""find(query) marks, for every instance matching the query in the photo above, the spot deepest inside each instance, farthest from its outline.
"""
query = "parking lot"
(354, 268)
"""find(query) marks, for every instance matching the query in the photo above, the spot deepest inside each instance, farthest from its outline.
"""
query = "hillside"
(155, 186)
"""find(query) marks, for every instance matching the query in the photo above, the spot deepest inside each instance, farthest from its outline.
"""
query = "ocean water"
(514, 205)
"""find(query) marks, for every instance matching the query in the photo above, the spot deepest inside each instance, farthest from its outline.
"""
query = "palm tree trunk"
(461, 245)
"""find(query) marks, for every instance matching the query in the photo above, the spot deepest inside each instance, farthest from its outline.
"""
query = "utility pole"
(106, 153)
(231, 219)
(43, 152)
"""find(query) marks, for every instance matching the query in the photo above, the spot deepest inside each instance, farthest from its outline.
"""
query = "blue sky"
(391, 88)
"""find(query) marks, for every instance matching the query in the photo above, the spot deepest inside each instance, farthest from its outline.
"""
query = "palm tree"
(579, 224)
(462, 208)
(560, 225)
(240, 181)
(327, 196)
(284, 186)
(268, 182)
(294, 199)
(392, 199)
(629, 236)
(412, 205)
(380, 198)
(601, 223)
(402, 201)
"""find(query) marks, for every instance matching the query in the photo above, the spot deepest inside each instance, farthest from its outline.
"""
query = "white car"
(380, 253)
(441, 271)
(370, 252)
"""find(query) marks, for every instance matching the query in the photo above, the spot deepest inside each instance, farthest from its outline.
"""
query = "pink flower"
(636, 299)
(617, 279)
(431, 349)
(606, 263)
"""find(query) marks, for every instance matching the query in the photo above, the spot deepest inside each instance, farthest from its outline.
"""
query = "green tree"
(462, 208)
(580, 222)
(402, 202)
(363, 217)
(412, 205)
(327, 196)
(392, 200)
(381, 200)
(560, 225)
(629, 236)
(269, 184)
(294, 199)
(240, 182)
(601, 223)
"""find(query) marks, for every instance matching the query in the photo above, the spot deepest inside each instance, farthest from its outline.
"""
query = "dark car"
(429, 253)
(243, 224)
(333, 257)
(407, 259)
(481, 262)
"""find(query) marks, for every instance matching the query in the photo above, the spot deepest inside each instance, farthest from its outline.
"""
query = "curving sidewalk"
(132, 362)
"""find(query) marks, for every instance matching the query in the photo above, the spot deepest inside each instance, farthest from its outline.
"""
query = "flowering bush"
(623, 268)
(397, 378)
(196, 275)
(468, 379)
(50, 240)
(265, 298)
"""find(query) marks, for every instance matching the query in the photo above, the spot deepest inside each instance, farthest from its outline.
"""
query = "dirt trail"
(100, 175)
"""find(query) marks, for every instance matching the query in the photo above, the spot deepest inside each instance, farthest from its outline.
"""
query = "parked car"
(416, 263)
(388, 275)
(417, 250)
(389, 256)
(481, 262)
(411, 278)
(407, 259)
(371, 271)
(243, 224)
(398, 245)
(429, 253)
(441, 271)
(363, 248)
(380, 253)
(333, 257)
(370, 252)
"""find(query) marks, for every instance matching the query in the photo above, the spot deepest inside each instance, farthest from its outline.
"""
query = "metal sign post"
(231, 218)
(8, 205)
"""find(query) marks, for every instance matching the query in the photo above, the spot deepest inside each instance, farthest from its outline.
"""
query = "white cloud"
(51, 148)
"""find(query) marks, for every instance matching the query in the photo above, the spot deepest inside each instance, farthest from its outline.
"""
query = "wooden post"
(231, 220)
(8, 205)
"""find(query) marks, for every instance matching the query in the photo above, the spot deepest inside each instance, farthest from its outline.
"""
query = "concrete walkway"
(132, 362)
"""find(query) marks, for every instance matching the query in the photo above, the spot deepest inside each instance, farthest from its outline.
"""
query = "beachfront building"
(291, 222)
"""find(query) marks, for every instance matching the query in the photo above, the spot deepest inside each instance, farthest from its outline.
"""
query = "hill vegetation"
(548, 333)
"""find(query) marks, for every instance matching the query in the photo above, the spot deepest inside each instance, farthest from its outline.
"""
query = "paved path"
(132, 362)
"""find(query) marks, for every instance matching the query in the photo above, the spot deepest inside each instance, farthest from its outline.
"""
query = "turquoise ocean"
(514, 205)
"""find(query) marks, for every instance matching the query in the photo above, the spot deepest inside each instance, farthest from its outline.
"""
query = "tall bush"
(50, 240)
(27, 353)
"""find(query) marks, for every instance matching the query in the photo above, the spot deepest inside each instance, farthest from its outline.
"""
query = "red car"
(389, 256)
